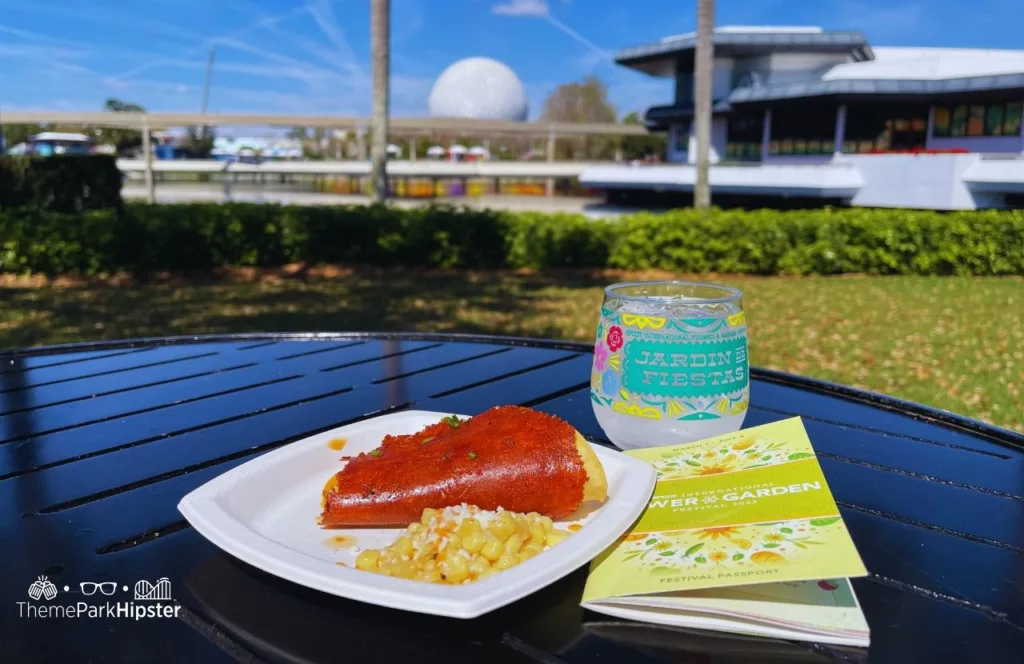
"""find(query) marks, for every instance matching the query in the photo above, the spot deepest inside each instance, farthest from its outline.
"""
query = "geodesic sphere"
(478, 88)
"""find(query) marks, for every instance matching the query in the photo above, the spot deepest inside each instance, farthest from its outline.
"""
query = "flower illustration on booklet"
(741, 527)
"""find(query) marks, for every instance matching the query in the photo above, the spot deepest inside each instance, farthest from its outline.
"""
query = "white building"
(805, 112)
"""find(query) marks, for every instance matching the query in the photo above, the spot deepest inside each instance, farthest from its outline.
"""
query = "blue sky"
(312, 56)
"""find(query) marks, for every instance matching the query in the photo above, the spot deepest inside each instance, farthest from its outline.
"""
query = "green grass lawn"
(952, 342)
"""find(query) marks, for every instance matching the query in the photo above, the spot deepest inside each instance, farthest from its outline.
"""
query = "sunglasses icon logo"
(90, 587)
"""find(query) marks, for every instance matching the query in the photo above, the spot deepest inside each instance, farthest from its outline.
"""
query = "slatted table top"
(99, 442)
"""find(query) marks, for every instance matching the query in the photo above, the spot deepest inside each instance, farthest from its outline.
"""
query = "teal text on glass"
(685, 369)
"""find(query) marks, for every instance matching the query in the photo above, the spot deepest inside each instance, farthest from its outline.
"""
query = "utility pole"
(206, 83)
(206, 91)
(380, 28)
(702, 75)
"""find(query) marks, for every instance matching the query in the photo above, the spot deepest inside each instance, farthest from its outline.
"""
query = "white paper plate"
(264, 512)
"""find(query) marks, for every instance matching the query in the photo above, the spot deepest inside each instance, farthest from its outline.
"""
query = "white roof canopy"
(60, 136)
(929, 64)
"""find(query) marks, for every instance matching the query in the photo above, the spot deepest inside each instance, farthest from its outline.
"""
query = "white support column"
(412, 149)
(931, 126)
(840, 134)
(147, 155)
(766, 133)
(551, 159)
(361, 142)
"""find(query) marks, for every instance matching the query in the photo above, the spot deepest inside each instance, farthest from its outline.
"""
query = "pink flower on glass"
(615, 339)
(825, 585)
(600, 356)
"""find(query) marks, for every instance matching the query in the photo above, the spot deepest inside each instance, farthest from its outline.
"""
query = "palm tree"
(702, 73)
(380, 27)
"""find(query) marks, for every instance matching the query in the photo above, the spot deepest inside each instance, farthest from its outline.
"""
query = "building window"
(941, 120)
(1011, 119)
(743, 137)
(972, 120)
(994, 120)
(885, 128)
(681, 137)
(684, 88)
(801, 129)
(976, 120)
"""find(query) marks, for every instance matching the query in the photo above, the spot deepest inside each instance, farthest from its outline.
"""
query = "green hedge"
(146, 238)
(60, 184)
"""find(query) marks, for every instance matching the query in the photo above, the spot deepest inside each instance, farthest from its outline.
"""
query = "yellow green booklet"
(741, 535)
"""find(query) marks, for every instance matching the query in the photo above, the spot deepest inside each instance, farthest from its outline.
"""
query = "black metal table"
(100, 441)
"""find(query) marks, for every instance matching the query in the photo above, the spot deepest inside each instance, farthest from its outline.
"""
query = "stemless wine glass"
(670, 363)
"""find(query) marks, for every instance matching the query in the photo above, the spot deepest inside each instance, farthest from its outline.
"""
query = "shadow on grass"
(926, 339)
(473, 302)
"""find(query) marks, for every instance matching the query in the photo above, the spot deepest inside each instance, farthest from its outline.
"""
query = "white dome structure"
(478, 88)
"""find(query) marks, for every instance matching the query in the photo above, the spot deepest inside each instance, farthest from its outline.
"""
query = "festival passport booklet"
(741, 535)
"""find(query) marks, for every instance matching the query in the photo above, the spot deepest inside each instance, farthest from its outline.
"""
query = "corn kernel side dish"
(462, 544)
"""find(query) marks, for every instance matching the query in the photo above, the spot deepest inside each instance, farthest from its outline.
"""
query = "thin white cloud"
(323, 14)
(341, 56)
(578, 37)
(538, 8)
(230, 39)
(310, 46)
(32, 36)
(82, 49)
(589, 61)
(48, 54)
(106, 18)
(310, 75)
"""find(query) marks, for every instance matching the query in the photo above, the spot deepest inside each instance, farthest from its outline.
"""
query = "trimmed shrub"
(146, 238)
(61, 184)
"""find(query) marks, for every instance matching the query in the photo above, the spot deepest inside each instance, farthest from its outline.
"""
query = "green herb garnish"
(472, 455)
(427, 440)
(375, 453)
(452, 420)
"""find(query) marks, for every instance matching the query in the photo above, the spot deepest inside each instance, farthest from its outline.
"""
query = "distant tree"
(298, 133)
(14, 134)
(118, 106)
(581, 102)
(506, 151)
(123, 139)
(199, 141)
(638, 147)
